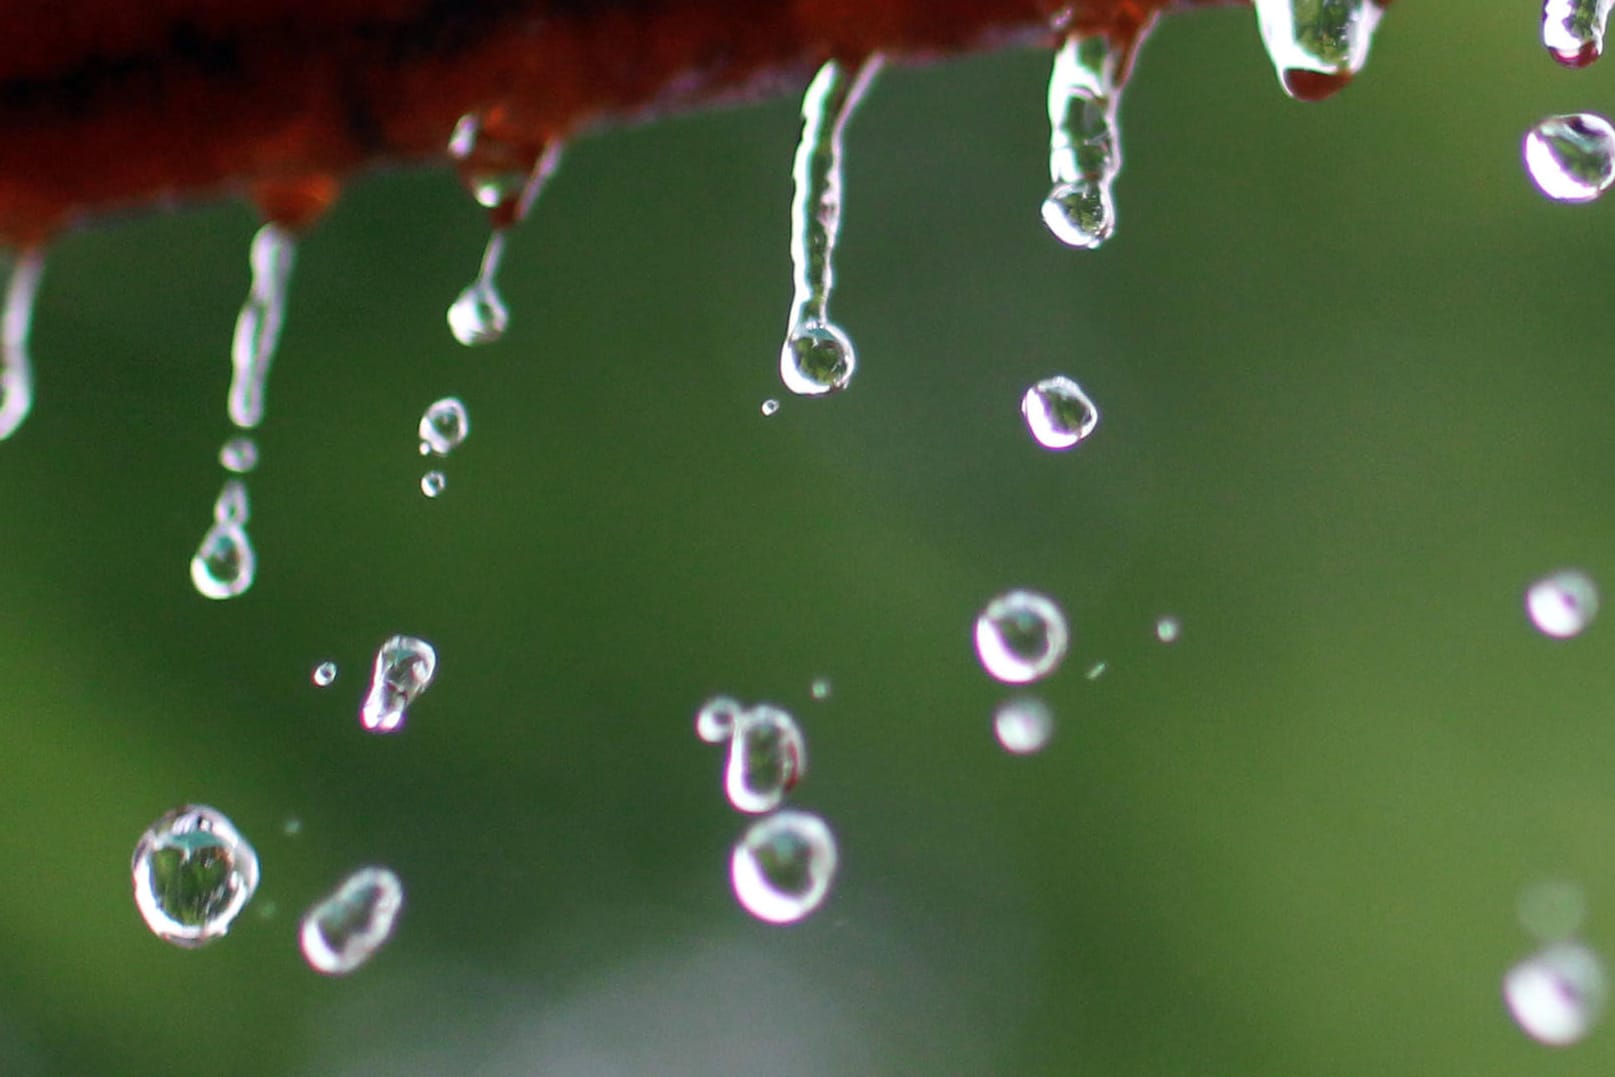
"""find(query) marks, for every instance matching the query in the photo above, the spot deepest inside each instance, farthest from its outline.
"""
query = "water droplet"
(258, 326)
(232, 506)
(770, 406)
(464, 136)
(1085, 153)
(715, 721)
(1557, 995)
(224, 565)
(1023, 726)
(444, 426)
(1058, 413)
(346, 928)
(1168, 629)
(193, 874)
(1571, 158)
(1562, 605)
(1573, 30)
(1021, 636)
(239, 455)
(479, 315)
(16, 320)
(1096, 670)
(404, 669)
(1317, 46)
(783, 865)
(820, 688)
(817, 357)
(324, 674)
(767, 757)
(1552, 910)
(434, 483)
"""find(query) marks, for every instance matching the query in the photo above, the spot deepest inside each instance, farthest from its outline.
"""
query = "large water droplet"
(1085, 152)
(346, 928)
(1557, 995)
(1573, 30)
(1317, 46)
(239, 455)
(1021, 636)
(1080, 214)
(1058, 413)
(1571, 158)
(404, 669)
(1552, 910)
(715, 721)
(16, 321)
(193, 874)
(783, 866)
(1023, 726)
(258, 326)
(444, 426)
(817, 359)
(767, 757)
(1562, 605)
(224, 565)
(324, 674)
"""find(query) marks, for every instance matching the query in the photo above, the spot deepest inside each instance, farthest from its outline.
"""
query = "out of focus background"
(1356, 389)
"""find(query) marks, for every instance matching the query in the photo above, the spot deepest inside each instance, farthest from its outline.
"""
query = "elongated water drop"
(404, 668)
(1317, 46)
(346, 927)
(1085, 152)
(324, 674)
(444, 426)
(239, 455)
(818, 357)
(783, 865)
(193, 874)
(1023, 726)
(1571, 158)
(224, 564)
(1021, 637)
(16, 319)
(274, 249)
(1563, 604)
(767, 757)
(1573, 30)
(1058, 413)
(1558, 994)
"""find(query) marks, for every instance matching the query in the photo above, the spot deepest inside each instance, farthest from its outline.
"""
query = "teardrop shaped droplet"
(193, 873)
(16, 322)
(1058, 413)
(1562, 604)
(715, 721)
(1317, 46)
(479, 315)
(1023, 725)
(404, 668)
(1573, 30)
(783, 865)
(346, 928)
(1558, 994)
(232, 506)
(817, 359)
(1081, 214)
(239, 455)
(324, 674)
(767, 757)
(444, 426)
(1021, 637)
(1085, 153)
(258, 326)
(1571, 158)
(224, 565)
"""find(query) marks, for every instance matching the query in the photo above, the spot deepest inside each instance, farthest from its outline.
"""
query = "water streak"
(252, 350)
(16, 369)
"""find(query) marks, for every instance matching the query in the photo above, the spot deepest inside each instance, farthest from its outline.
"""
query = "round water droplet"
(405, 667)
(1552, 910)
(820, 688)
(239, 455)
(1562, 605)
(1168, 629)
(224, 564)
(1571, 158)
(1557, 995)
(444, 426)
(767, 757)
(324, 674)
(478, 316)
(346, 928)
(817, 359)
(1021, 636)
(1023, 726)
(434, 483)
(770, 406)
(715, 721)
(1080, 214)
(193, 874)
(1058, 413)
(783, 866)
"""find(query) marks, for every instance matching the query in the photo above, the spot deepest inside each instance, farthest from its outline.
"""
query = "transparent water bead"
(783, 865)
(1552, 910)
(434, 483)
(1558, 994)
(1317, 46)
(1571, 158)
(1573, 30)
(239, 455)
(324, 674)
(1563, 604)
(479, 316)
(232, 506)
(257, 332)
(193, 873)
(1085, 153)
(817, 357)
(1021, 637)
(405, 667)
(769, 407)
(1023, 726)
(444, 426)
(346, 928)
(767, 757)
(16, 322)
(1058, 413)
(715, 721)
(1168, 629)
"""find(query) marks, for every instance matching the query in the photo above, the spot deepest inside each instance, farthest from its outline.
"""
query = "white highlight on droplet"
(1562, 604)
(1557, 995)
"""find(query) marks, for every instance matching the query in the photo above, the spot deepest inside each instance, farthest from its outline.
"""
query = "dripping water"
(1573, 30)
(16, 369)
(1317, 46)
(1085, 152)
(274, 248)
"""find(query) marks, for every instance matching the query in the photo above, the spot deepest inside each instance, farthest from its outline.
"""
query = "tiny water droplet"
(1085, 154)
(1573, 30)
(16, 321)
(444, 426)
(346, 928)
(820, 688)
(1021, 637)
(783, 865)
(1557, 995)
(1168, 629)
(817, 359)
(324, 674)
(715, 721)
(1562, 605)
(464, 136)
(267, 910)
(239, 455)
(292, 827)
(405, 667)
(767, 757)
(1058, 413)
(479, 315)
(1023, 726)
(1552, 910)
(1096, 670)
(1571, 158)
(1317, 46)
(770, 406)
(193, 874)
(434, 483)
(258, 326)
(224, 564)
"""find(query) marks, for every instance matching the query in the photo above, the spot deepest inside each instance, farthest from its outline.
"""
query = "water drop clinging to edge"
(16, 319)
(193, 873)
(1317, 46)
(1571, 158)
(1563, 604)
(783, 865)
(346, 927)
(1085, 152)
(1023, 726)
(404, 668)
(817, 357)
(1573, 30)
(1058, 413)
(257, 332)
(1558, 994)
(1021, 637)
(444, 426)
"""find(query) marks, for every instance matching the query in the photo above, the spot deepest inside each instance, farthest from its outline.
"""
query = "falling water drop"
(274, 249)
(434, 483)
(1571, 158)
(817, 357)
(193, 874)
(16, 319)
(479, 315)
(324, 674)
(770, 407)
(1168, 628)
(1096, 670)
(1023, 726)
(346, 928)
(1058, 413)
(444, 426)
(1085, 152)
(239, 455)
(783, 865)
(767, 757)
(232, 506)
(820, 688)
(224, 564)
(1573, 30)
(1317, 46)
(1557, 995)
(1563, 604)
(715, 721)
(405, 667)
(1021, 637)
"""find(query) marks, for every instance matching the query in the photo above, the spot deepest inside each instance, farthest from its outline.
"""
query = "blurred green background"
(1356, 394)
